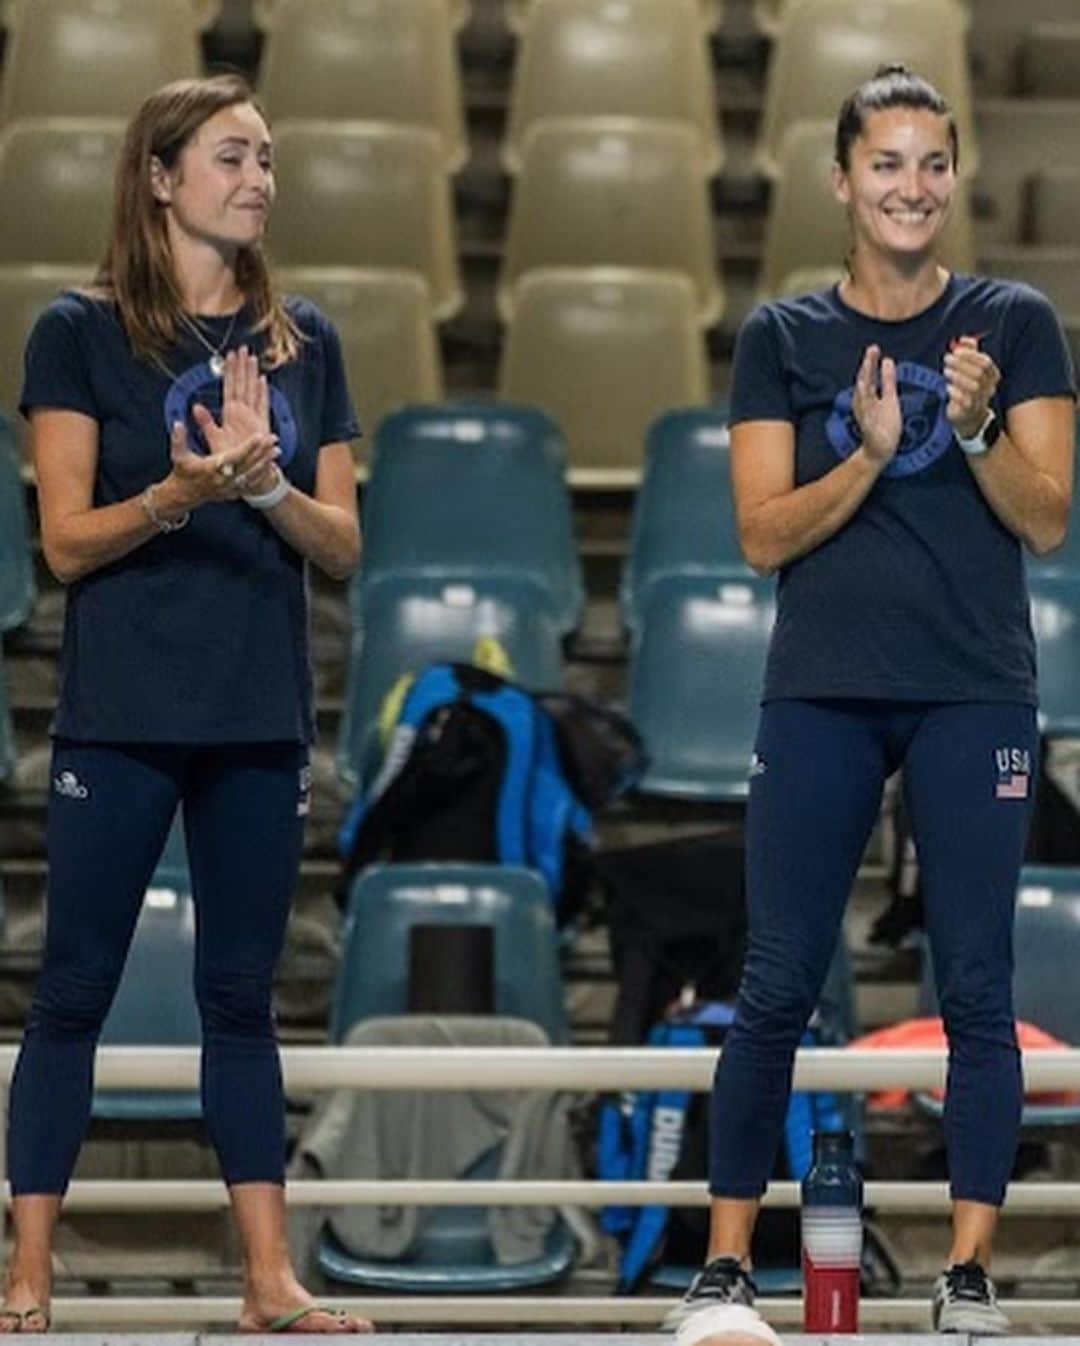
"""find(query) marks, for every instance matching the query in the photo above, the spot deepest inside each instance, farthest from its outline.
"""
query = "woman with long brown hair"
(190, 435)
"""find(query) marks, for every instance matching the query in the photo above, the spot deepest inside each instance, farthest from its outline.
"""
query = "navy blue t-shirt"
(921, 595)
(200, 635)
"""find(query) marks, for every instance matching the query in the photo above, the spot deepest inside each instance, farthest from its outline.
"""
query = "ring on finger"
(226, 471)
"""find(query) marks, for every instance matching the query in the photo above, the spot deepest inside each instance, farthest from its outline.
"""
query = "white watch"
(984, 439)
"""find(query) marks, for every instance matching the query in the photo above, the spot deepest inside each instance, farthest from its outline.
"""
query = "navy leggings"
(110, 809)
(814, 797)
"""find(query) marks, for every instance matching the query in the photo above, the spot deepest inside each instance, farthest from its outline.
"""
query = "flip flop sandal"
(20, 1316)
(285, 1321)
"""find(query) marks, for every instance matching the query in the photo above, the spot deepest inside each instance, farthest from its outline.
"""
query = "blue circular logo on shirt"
(183, 392)
(926, 432)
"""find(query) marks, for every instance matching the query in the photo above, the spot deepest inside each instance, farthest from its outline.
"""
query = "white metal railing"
(580, 1069)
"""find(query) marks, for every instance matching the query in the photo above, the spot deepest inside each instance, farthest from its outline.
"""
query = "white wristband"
(274, 496)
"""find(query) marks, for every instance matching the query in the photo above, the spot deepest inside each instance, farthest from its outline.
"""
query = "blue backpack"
(659, 1135)
(479, 769)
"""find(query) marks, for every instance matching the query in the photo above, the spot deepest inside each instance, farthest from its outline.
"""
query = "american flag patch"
(1013, 768)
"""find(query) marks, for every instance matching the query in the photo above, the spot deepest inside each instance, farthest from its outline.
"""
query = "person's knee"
(776, 999)
(71, 1001)
(977, 1007)
(237, 1005)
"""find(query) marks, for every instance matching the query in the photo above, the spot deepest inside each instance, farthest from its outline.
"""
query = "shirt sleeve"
(56, 370)
(759, 389)
(1037, 362)
(339, 419)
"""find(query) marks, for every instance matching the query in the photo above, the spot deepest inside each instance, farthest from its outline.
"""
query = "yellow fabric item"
(487, 653)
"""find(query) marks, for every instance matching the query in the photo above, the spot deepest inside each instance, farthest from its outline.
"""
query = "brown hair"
(890, 86)
(137, 268)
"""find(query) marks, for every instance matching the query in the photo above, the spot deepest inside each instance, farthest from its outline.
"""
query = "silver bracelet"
(162, 525)
(274, 496)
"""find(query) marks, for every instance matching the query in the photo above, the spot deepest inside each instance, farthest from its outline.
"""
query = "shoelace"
(967, 1280)
(724, 1279)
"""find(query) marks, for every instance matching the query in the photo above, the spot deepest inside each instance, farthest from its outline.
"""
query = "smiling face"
(222, 185)
(899, 181)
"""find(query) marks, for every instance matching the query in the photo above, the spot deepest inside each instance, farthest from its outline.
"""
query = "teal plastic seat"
(155, 1002)
(696, 668)
(17, 589)
(1055, 619)
(1046, 951)
(684, 514)
(407, 622)
(468, 491)
(386, 901)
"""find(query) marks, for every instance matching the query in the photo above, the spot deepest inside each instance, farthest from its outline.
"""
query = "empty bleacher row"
(610, 144)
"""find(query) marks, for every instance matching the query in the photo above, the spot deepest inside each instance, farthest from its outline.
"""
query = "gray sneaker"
(965, 1301)
(720, 1299)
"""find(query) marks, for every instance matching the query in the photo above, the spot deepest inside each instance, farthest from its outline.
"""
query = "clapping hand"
(875, 404)
(972, 378)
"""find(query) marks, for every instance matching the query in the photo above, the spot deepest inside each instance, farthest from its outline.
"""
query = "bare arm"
(779, 521)
(1027, 477)
(324, 527)
(77, 538)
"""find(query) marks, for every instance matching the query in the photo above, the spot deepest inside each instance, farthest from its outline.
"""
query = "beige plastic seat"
(368, 60)
(387, 335)
(614, 58)
(94, 58)
(1054, 271)
(459, 12)
(1000, 31)
(612, 192)
(826, 48)
(807, 226)
(1021, 138)
(365, 194)
(518, 13)
(56, 185)
(809, 280)
(1055, 207)
(604, 351)
(24, 292)
(1050, 60)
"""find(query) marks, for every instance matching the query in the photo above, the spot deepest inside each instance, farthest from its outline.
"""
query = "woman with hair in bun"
(897, 442)
(190, 435)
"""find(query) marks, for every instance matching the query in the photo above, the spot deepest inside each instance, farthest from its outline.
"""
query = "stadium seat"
(469, 491)
(1046, 946)
(825, 48)
(24, 292)
(1021, 138)
(94, 58)
(17, 587)
(404, 623)
(1054, 271)
(604, 351)
(7, 728)
(459, 12)
(998, 36)
(452, 1249)
(809, 280)
(1053, 206)
(519, 12)
(623, 58)
(155, 1003)
(697, 661)
(367, 60)
(1055, 619)
(612, 192)
(364, 194)
(60, 172)
(684, 514)
(388, 337)
(387, 901)
(1050, 60)
(807, 227)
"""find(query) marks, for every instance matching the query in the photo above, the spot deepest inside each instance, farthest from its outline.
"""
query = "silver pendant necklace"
(217, 357)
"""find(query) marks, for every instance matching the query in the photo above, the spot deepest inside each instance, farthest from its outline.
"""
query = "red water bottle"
(832, 1198)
